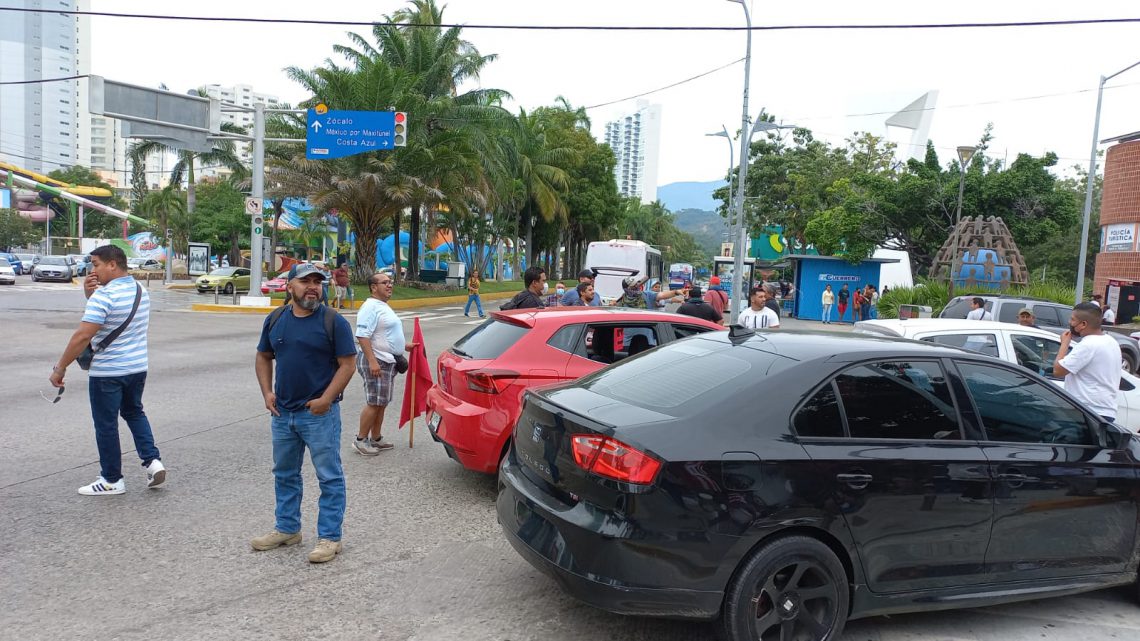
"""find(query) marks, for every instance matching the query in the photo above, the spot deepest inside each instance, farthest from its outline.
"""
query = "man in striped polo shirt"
(118, 373)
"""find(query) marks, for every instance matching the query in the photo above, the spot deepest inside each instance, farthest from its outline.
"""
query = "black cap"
(586, 273)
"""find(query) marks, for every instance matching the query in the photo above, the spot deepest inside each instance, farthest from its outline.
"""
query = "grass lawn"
(403, 293)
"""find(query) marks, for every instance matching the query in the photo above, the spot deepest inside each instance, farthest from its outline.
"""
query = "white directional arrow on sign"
(316, 126)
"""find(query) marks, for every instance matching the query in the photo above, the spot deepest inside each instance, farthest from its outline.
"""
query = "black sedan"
(785, 482)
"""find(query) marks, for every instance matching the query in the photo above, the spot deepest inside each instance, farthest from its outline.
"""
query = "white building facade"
(43, 124)
(242, 96)
(636, 141)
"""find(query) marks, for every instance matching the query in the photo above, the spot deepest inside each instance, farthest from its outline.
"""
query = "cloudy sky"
(1036, 85)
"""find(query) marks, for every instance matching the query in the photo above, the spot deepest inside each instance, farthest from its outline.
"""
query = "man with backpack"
(314, 352)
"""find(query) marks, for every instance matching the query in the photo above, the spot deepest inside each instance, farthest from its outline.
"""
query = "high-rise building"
(636, 141)
(243, 96)
(41, 122)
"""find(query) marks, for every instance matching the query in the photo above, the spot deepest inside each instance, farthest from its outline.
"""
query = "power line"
(522, 27)
(653, 91)
(126, 172)
(42, 80)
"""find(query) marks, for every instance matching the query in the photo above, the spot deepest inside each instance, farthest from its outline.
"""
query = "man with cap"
(572, 297)
(314, 362)
(716, 296)
(1025, 318)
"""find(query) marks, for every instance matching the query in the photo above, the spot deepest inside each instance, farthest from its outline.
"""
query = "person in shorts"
(380, 335)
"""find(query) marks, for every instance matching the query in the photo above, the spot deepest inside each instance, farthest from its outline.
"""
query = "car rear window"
(685, 378)
(956, 309)
(490, 339)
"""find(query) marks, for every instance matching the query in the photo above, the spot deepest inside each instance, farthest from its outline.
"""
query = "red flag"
(419, 379)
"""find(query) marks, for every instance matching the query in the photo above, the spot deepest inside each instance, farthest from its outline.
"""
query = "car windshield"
(53, 260)
(4, 262)
(223, 271)
(686, 378)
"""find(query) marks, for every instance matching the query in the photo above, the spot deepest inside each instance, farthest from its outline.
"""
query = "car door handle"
(855, 481)
(1013, 478)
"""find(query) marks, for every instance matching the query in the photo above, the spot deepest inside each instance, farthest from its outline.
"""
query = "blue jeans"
(478, 304)
(827, 312)
(111, 397)
(292, 433)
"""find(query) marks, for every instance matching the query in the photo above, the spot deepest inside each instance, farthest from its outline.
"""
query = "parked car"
(1032, 348)
(28, 261)
(483, 376)
(54, 268)
(275, 285)
(843, 476)
(226, 279)
(1050, 316)
(7, 272)
(14, 262)
(144, 264)
(82, 264)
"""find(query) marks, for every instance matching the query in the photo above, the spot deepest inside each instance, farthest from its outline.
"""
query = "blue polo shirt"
(305, 363)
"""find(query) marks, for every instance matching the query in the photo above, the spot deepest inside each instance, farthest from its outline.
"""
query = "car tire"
(34, 279)
(229, 288)
(1128, 364)
(794, 587)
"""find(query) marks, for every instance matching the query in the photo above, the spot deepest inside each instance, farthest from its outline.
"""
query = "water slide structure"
(31, 193)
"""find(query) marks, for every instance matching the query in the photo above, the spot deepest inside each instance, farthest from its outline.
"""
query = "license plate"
(434, 420)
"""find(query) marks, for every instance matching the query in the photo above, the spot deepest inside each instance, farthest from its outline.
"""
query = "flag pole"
(412, 422)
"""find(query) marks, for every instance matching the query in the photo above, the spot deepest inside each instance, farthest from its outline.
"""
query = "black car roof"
(806, 345)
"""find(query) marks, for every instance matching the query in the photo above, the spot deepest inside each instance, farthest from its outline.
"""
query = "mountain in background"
(707, 228)
(689, 195)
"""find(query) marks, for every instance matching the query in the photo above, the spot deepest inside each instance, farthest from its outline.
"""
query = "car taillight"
(613, 459)
(490, 381)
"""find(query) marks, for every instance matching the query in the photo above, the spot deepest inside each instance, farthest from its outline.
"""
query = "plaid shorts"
(377, 390)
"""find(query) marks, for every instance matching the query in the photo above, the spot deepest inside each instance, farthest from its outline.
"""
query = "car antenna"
(739, 333)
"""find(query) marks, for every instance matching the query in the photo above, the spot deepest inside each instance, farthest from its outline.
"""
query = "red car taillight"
(613, 459)
(490, 381)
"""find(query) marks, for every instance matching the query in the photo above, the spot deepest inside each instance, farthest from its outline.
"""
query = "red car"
(275, 285)
(481, 379)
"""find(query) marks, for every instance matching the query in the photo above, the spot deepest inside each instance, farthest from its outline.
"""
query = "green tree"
(16, 230)
(95, 223)
(166, 209)
(221, 219)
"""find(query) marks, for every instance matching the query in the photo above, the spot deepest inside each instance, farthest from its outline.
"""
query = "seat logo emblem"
(537, 433)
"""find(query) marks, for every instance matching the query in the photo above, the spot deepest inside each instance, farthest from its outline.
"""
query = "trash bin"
(914, 311)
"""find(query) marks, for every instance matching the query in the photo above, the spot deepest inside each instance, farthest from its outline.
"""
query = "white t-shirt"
(378, 323)
(765, 318)
(979, 314)
(1094, 373)
(1109, 315)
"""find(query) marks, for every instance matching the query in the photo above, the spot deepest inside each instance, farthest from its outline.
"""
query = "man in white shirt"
(380, 335)
(758, 315)
(1092, 368)
(1109, 317)
(978, 310)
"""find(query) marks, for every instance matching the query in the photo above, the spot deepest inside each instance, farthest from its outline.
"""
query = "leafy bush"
(936, 294)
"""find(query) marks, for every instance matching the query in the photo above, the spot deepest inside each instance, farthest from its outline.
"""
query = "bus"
(626, 257)
(680, 275)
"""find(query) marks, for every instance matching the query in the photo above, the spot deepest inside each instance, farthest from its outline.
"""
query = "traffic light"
(400, 130)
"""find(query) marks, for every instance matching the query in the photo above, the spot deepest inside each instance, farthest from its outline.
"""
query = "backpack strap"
(328, 316)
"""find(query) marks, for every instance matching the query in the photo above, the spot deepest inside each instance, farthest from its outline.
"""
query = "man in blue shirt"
(117, 373)
(313, 368)
(572, 297)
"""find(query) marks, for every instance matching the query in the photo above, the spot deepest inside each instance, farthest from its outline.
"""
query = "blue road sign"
(336, 134)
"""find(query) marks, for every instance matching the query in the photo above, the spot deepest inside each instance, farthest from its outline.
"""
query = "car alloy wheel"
(229, 288)
(1127, 365)
(791, 588)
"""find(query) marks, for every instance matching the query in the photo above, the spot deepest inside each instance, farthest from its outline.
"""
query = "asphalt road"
(423, 557)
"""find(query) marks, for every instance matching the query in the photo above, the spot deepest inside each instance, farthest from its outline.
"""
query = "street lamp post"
(1089, 186)
(742, 175)
(731, 163)
(964, 156)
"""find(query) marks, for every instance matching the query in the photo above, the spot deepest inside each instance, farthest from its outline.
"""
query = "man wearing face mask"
(1092, 367)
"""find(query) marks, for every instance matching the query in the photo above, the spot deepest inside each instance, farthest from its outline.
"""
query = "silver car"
(7, 272)
(28, 261)
(59, 268)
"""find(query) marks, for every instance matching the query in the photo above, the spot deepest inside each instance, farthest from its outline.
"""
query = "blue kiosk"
(814, 273)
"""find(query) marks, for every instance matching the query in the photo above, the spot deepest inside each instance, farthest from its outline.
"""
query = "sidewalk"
(406, 303)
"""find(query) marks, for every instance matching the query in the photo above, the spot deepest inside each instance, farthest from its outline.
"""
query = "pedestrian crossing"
(37, 287)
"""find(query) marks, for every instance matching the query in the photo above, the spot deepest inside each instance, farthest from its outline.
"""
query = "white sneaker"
(155, 473)
(102, 488)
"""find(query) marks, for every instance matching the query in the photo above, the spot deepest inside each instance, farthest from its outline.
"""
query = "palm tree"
(222, 154)
(539, 167)
(314, 227)
(166, 209)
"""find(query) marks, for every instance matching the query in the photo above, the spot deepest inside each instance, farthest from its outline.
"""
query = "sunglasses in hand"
(53, 399)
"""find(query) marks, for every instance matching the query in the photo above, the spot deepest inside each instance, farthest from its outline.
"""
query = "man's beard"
(309, 303)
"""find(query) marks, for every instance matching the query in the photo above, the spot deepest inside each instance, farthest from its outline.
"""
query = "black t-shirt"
(698, 308)
(525, 299)
(843, 296)
(774, 306)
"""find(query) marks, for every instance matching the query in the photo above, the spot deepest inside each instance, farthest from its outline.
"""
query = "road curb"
(405, 304)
